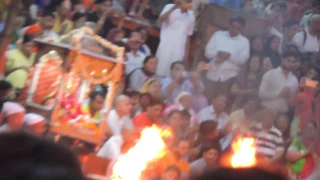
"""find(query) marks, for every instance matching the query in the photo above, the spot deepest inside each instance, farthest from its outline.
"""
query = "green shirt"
(299, 164)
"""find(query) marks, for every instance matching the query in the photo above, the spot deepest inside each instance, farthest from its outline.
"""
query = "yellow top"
(15, 58)
(97, 116)
(62, 27)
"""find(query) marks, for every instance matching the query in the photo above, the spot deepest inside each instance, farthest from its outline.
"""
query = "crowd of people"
(266, 87)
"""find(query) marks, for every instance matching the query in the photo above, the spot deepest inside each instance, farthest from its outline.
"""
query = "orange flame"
(150, 147)
(244, 153)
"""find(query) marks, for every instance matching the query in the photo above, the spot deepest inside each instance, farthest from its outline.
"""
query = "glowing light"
(244, 153)
(150, 147)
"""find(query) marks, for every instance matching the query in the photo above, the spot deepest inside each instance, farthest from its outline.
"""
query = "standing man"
(307, 40)
(279, 86)
(177, 24)
(227, 52)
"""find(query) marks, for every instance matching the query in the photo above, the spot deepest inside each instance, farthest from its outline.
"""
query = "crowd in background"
(266, 87)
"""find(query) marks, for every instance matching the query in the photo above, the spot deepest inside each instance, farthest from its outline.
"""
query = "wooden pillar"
(5, 35)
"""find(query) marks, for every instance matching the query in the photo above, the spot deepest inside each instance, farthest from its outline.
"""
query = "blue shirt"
(2, 25)
(185, 86)
(232, 4)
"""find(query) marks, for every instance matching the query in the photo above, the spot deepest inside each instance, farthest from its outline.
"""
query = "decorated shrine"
(61, 79)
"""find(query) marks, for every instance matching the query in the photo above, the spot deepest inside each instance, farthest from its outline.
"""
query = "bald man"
(307, 40)
(120, 115)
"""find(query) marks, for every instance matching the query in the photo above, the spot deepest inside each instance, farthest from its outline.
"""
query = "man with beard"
(279, 86)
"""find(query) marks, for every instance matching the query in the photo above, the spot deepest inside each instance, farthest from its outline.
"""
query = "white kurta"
(173, 37)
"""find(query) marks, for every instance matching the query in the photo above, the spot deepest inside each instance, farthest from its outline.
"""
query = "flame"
(150, 147)
(244, 153)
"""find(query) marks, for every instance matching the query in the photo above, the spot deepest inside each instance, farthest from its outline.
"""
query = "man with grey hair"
(112, 148)
(307, 40)
(120, 115)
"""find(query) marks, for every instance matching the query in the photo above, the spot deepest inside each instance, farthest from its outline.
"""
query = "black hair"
(289, 23)
(173, 168)
(238, 19)
(146, 94)
(94, 94)
(175, 63)
(56, 3)
(27, 157)
(155, 102)
(250, 98)
(122, 44)
(77, 16)
(218, 94)
(140, 28)
(171, 113)
(269, 40)
(290, 46)
(47, 13)
(287, 54)
(131, 93)
(100, 1)
(185, 112)
(5, 85)
(241, 174)
(27, 38)
(147, 59)
(208, 146)
(206, 127)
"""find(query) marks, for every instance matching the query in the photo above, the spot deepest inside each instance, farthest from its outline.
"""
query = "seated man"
(176, 157)
(35, 123)
(12, 117)
(269, 144)
(151, 117)
(209, 160)
(180, 81)
(94, 106)
(120, 116)
(112, 148)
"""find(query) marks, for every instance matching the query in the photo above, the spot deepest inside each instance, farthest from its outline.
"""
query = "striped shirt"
(268, 143)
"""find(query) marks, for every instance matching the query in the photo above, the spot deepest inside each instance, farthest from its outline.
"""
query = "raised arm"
(167, 10)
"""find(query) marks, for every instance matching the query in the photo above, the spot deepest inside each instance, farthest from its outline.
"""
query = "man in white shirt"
(227, 51)
(135, 57)
(112, 148)
(307, 40)
(216, 112)
(120, 116)
(177, 25)
(279, 86)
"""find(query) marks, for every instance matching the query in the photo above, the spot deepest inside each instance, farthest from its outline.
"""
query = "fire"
(244, 153)
(150, 147)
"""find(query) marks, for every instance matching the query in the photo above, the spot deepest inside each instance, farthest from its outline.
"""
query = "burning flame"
(244, 153)
(150, 147)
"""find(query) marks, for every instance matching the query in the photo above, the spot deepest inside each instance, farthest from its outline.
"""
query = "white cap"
(10, 108)
(32, 118)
